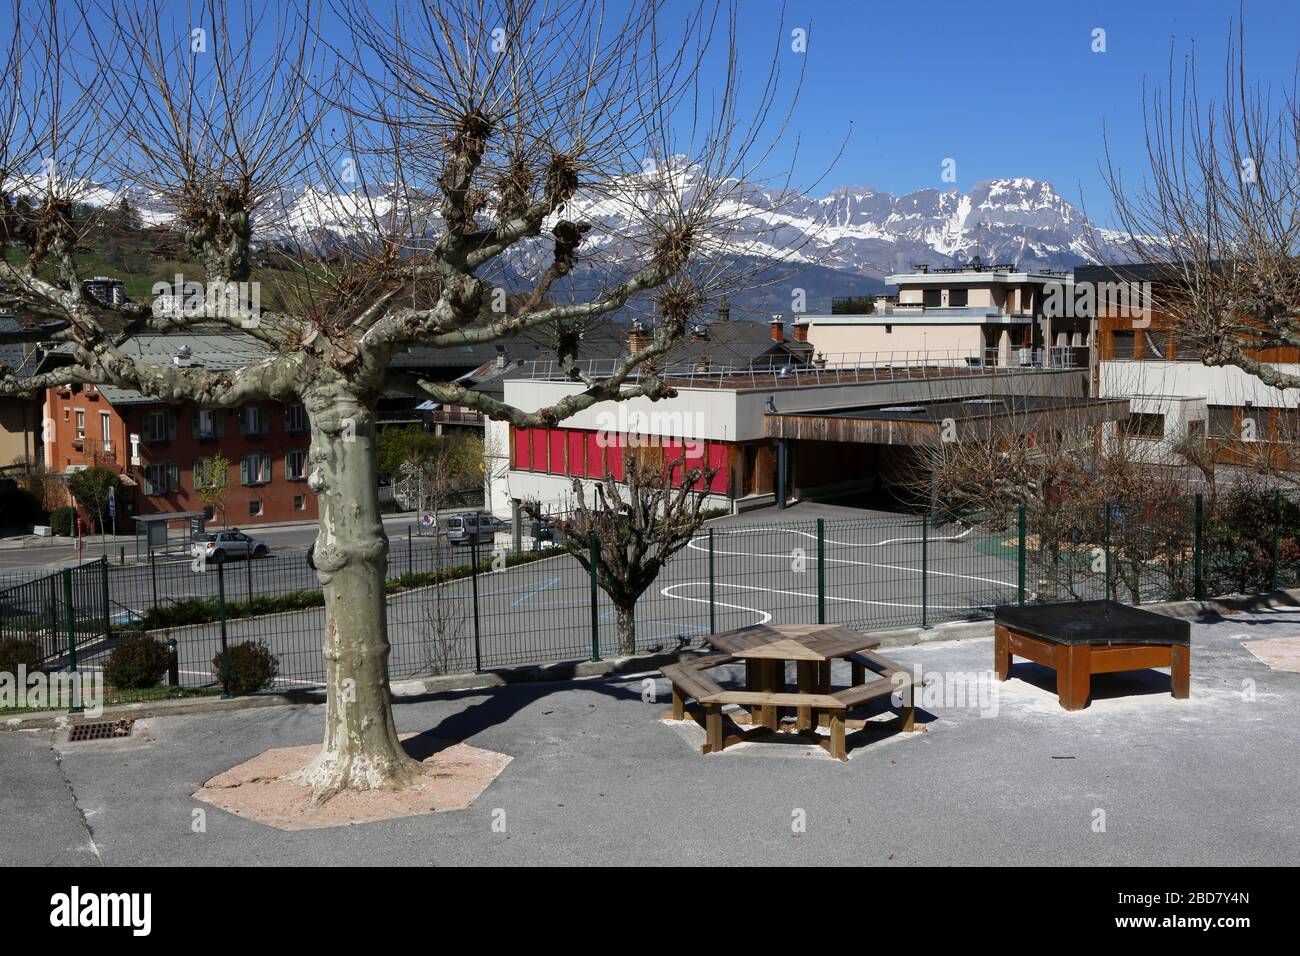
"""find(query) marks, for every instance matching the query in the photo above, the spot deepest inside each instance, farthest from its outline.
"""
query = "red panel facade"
(594, 454)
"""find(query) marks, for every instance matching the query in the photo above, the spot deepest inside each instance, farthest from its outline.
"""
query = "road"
(42, 559)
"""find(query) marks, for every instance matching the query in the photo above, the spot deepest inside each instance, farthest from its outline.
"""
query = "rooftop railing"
(835, 369)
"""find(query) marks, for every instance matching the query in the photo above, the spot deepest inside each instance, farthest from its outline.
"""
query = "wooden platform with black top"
(1084, 638)
(765, 649)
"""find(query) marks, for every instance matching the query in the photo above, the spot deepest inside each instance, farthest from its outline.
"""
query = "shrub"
(252, 667)
(138, 661)
(20, 650)
(62, 521)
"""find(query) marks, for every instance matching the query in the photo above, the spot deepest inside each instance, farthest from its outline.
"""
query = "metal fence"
(66, 613)
(460, 608)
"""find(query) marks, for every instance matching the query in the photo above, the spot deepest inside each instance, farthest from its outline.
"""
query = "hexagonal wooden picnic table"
(765, 649)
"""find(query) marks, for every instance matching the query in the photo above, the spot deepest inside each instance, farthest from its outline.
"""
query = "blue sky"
(1007, 89)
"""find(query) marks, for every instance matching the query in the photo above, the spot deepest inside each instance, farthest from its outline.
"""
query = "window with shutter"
(206, 423)
(253, 420)
(158, 478)
(155, 427)
(295, 419)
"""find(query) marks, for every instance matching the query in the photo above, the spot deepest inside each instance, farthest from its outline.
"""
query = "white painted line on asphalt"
(666, 592)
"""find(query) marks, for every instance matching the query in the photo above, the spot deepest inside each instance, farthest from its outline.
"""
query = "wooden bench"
(690, 683)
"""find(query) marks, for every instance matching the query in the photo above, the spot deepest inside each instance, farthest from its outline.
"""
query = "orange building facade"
(265, 444)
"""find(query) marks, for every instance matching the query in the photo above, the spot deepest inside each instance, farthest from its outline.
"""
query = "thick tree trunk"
(627, 631)
(361, 750)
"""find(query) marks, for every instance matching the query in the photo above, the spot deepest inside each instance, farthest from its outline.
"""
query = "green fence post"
(410, 566)
(1273, 551)
(54, 616)
(925, 563)
(1020, 557)
(473, 576)
(108, 616)
(593, 550)
(1105, 556)
(713, 617)
(221, 616)
(248, 564)
(153, 574)
(75, 704)
(821, 571)
(1198, 551)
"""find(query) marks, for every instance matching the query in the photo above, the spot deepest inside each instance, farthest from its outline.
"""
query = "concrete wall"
(1216, 386)
(20, 430)
(880, 335)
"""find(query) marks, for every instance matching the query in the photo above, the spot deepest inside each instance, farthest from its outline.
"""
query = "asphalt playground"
(1001, 775)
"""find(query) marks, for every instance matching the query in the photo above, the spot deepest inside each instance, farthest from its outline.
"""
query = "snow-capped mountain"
(844, 243)
(855, 229)
(1000, 220)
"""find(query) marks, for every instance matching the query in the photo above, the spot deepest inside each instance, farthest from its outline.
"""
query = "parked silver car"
(221, 546)
(474, 528)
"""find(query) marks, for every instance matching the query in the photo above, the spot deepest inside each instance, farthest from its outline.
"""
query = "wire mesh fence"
(507, 599)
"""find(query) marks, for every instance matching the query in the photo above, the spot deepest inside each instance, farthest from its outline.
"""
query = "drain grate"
(101, 730)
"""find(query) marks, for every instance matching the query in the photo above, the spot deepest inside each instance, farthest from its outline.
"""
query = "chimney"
(637, 338)
(724, 310)
(182, 358)
(801, 331)
(778, 328)
(503, 358)
(702, 363)
(699, 333)
(820, 360)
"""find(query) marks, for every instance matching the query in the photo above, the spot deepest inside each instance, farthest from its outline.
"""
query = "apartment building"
(994, 315)
(265, 443)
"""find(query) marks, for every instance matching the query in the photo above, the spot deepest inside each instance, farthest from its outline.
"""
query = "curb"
(586, 670)
(47, 719)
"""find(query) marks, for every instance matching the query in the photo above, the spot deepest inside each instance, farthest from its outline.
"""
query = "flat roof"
(166, 516)
(974, 278)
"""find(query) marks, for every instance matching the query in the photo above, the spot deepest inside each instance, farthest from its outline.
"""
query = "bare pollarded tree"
(430, 175)
(638, 524)
(1217, 209)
